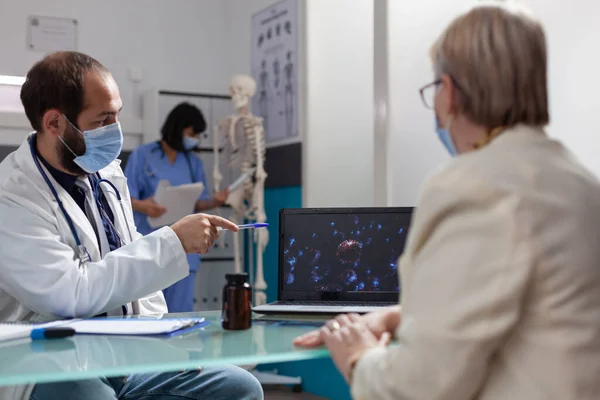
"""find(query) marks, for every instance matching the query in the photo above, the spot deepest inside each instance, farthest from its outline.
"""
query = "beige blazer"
(500, 281)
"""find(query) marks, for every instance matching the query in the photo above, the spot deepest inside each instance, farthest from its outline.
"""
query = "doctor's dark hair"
(56, 82)
(182, 116)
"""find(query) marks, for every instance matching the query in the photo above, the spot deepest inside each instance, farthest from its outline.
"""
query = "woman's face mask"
(445, 137)
(102, 146)
(444, 132)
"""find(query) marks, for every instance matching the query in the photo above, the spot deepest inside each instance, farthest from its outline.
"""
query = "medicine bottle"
(237, 303)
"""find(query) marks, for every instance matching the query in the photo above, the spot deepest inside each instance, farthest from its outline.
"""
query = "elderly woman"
(501, 272)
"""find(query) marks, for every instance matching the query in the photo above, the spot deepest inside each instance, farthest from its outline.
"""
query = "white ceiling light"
(12, 80)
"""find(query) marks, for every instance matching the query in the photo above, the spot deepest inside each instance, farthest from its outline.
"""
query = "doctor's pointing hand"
(198, 232)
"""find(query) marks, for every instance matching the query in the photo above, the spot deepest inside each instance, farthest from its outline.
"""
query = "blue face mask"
(445, 138)
(190, 143)
(102, 146)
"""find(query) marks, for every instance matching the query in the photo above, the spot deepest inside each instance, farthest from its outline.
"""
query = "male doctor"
(69, 243)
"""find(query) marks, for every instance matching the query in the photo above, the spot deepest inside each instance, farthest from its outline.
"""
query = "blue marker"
(51, 333)
(249, 226)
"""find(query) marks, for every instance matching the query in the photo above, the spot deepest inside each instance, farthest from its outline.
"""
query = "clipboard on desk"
(162, 328)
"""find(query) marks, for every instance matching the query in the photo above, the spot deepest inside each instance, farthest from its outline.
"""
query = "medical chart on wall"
(274, 67)
(49, 34)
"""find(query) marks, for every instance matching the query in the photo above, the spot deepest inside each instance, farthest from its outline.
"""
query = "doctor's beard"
(75, 141)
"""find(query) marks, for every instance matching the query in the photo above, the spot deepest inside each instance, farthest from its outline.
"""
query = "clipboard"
(178, 200)
(164, 328)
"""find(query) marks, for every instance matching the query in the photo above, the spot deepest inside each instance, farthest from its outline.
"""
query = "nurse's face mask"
(92, 150)
(190, 143)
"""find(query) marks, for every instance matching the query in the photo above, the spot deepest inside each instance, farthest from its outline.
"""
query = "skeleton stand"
(247, 201)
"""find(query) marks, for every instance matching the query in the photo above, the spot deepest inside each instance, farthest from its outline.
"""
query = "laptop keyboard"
(335, 303)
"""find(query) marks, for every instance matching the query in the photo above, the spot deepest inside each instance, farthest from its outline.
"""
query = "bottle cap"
(237, 278)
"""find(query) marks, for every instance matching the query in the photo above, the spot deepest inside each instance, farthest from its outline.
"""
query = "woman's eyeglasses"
(428, 93)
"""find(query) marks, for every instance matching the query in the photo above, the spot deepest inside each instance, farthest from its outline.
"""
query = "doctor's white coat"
(41, 277)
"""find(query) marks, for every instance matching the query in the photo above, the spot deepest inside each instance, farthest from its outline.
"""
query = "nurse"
(170, 159)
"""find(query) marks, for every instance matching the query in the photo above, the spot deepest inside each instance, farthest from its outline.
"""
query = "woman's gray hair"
(496, 56)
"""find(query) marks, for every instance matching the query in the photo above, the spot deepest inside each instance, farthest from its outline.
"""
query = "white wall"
(186, 45)
(338, 142)
(179, 45)
(414, 150)
(573, 32)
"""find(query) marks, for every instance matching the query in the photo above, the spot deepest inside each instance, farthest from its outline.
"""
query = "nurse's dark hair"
(56, 82)
(182, 116)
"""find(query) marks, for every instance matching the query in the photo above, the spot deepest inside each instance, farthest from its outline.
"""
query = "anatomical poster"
(274, 67)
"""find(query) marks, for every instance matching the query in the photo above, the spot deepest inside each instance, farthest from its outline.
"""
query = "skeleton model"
(244, 153)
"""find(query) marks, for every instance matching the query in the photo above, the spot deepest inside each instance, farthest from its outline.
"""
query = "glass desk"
(82, 357)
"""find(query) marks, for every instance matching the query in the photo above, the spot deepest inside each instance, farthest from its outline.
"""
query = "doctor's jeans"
(216, 383)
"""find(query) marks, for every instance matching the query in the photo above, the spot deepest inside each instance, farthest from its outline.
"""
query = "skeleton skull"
(242, 88)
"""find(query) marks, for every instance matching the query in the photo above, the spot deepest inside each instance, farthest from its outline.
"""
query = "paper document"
(136, 327)
(240, 181)
(178, 200)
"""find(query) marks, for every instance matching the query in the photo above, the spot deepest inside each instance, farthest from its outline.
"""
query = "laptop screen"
(342, 251)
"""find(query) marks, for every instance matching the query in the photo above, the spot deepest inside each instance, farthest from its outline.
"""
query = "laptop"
(338, 260)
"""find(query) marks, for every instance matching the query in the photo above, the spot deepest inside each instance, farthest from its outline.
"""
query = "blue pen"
(51, 333)
(249, 226)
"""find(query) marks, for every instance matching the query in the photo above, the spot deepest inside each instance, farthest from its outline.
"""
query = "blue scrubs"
(146, 166)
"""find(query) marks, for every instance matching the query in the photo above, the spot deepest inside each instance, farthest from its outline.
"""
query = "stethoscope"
(148, 170)
(84, 255)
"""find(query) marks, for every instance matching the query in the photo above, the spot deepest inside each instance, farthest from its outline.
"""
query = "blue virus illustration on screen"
(345, 253)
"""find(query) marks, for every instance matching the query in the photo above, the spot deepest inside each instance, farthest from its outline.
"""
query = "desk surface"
(83, 357)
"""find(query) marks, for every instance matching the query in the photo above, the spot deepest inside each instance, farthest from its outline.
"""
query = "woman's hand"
(218, 200)
(347, 341)
(221, 197)
(378, 323)
(148, 207)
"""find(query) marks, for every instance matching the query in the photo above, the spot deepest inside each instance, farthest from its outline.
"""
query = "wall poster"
(274, 67)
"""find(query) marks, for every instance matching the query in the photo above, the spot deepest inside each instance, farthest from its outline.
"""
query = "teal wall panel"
(276, 199)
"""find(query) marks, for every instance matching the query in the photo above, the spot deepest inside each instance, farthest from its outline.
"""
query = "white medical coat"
(41, 276)
(500, 282)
